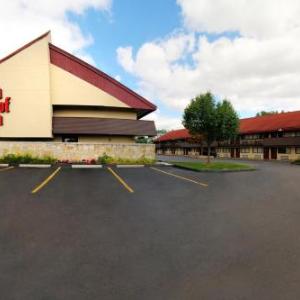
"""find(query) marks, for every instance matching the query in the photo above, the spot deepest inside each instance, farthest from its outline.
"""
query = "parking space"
(149, 233)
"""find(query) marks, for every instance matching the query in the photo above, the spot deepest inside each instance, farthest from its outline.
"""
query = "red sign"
(4, 106)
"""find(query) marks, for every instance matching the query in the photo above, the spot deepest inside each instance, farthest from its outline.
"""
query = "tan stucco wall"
(260, 156)
(106, 139)
(101, 139)
(291, 156)
(79, 151)
(25, 77)
(223, 154)
(95, 113)
(67, 89)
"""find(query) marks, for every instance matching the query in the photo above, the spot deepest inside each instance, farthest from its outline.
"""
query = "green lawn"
(213, 166)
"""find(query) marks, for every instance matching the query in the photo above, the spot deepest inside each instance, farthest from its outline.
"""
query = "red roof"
(92, 75)
(174, 135)
(286, 121)
(101, 80)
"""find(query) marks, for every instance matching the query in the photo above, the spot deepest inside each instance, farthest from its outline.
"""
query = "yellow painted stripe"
(180, 177)
(120, 180)
(6, 169)
(46, 181)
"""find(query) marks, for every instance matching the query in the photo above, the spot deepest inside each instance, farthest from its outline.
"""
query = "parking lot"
(150, 233)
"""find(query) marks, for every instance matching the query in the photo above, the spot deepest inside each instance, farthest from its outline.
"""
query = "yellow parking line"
(120, 180)
(46, 181)
(180, 177)
(6, 169)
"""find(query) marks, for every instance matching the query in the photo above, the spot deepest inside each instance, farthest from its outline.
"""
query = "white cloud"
(258, 70)
(125, 54)
(164, 122)
(254, 18)
(24, 20)
(118, 78)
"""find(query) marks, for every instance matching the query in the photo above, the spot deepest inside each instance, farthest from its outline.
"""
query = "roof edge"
(24, 47)
(269, 115)
(151, 106)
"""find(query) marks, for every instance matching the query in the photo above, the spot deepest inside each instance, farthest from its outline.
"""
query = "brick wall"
(78, 151)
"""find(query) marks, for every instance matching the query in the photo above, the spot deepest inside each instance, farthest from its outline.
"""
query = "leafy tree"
(161, 132)
(266, 113)
(213, 121)
(143, 140)
(227, 121)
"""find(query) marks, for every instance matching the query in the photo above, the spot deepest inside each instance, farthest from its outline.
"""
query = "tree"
(161, 132)
(142, 140)
(227, 121)
(266, 113)
(213, 121)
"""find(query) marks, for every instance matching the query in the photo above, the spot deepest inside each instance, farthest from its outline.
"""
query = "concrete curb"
(36, 166)
(162, 163)
(4, 165)
(130, 166)
(215, 171)
(87, 166)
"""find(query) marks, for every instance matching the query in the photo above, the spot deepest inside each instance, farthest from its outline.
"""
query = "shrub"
(105, 159)
(26, 159)
(296, 162)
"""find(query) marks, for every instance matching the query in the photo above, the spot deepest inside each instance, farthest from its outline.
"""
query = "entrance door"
(232, 152)
(237, 153)
(274, 153)
(266, 153)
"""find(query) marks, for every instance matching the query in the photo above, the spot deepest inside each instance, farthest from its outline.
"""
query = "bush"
(105, 159)
(296, 162)
(26, 159)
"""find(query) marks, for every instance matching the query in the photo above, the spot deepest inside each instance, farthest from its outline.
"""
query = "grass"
(105, 159)
(213, 166)
(26, 159)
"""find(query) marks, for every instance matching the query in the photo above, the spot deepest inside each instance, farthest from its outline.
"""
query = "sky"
(246, 51)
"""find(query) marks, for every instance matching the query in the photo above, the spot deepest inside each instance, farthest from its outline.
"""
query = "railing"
(178, 145)
(255, 142)
(237, 143)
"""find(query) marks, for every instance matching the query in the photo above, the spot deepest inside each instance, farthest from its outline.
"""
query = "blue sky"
(171, 50)
(130, 22)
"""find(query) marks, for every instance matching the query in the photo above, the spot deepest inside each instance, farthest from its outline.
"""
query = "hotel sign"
(4, 106)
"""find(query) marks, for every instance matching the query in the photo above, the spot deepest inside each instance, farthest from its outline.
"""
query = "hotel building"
(267, 137)
(49, 96)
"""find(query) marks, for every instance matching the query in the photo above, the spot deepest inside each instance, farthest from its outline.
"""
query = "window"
(70, 139)
(289, 134)
(264, 135)
(284, 150)
(297, 150)
(274, 134)
(245, 150)
(257, 150)
(224, 150)
(280, 134)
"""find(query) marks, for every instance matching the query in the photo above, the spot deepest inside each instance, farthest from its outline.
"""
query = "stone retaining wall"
(78, 151)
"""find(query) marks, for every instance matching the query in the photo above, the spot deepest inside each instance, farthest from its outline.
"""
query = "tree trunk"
(208, 153)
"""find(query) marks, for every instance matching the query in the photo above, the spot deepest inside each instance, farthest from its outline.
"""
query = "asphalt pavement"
(177, 235)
